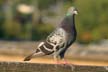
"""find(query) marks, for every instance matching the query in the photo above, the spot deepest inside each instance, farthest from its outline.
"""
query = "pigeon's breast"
(71, 37)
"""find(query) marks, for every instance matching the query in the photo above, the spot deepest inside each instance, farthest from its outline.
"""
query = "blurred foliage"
(43, 5)
(91, 22)
(41, 31)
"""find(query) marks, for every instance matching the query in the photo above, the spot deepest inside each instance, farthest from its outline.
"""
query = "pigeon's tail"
(29, 57)
(35, 54)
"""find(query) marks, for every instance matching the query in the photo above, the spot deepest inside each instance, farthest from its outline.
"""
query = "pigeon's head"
(72, 11)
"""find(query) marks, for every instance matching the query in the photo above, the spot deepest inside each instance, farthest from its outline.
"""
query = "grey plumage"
(59, 40)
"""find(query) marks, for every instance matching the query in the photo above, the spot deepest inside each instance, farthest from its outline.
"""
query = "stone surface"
(36, 67)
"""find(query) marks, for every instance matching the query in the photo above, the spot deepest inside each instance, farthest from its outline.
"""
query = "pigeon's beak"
(75, 12)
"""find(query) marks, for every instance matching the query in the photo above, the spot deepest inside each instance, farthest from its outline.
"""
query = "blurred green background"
(35, 19)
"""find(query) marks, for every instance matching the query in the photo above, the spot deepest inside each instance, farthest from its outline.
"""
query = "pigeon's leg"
(64, 61)
(56, 58)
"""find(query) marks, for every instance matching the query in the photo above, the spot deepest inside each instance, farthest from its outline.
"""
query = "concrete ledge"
(35, 67)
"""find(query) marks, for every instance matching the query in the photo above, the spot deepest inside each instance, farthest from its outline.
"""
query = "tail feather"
(29, 57)
(38, 54)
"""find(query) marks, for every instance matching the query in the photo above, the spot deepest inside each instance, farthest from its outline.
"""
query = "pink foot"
(65, 62)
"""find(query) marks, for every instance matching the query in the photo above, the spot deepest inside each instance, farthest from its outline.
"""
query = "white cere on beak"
(75, 12)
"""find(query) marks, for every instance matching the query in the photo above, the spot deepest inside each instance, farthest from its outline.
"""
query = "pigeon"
(59, 40)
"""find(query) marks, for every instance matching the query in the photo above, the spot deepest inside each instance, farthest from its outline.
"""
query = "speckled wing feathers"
(54, 42)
